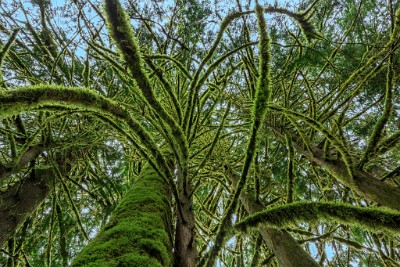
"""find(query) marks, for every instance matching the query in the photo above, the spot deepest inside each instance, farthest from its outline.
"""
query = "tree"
(191, 133)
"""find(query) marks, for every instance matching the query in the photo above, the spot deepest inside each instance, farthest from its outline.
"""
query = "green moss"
(36, 97)
(137, 233)
(121, 31)
(7, 46)
(333, 139)
(263, 93)
(373, 219)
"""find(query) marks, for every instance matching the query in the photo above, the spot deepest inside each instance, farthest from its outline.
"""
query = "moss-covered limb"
(137, 233)
(286, 249)
(121, 31)
(28, 98)
(373, 219)
(22, 199)
(20, 161)
(262, 96)
(362, 182)
(7, 45)
(176, 62)
(14, 209)
(290, 171)
(380, 124)
(168, 87)
(388, 144)
(338, 144)
(193, 84)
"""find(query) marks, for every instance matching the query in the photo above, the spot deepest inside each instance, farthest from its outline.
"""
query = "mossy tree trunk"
(139, 230)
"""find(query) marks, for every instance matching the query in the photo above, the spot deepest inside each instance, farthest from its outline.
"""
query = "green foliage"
(226, 126)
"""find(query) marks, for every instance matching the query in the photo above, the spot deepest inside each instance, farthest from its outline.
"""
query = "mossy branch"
(7, 46)
(193, 87)
(262, 96)
(290, 171)
(173, 60)
(336, 142)
(34, 97)
(370, 218)
(380, 124)
(122, 32)
(303, 19)
(388, 143)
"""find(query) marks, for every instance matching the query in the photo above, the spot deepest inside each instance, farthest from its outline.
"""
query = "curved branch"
(373, 219)
(28, 98)
(336, 142)
(121, 31)
(263, 93)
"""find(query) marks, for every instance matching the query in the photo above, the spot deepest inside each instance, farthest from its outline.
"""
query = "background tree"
(195, 133)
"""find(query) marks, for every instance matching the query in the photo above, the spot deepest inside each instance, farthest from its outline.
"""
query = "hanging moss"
(137, 233)
(373, 219)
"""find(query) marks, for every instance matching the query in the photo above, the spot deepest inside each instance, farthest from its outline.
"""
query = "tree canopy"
(199, 133)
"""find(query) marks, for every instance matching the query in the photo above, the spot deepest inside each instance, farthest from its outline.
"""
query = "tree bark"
(20, 200)
(23, 160)
(185, 235)
(362, 182)
(138, 233)
(285, 248)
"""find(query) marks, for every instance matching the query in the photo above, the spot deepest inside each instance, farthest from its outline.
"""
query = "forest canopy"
(199, 133)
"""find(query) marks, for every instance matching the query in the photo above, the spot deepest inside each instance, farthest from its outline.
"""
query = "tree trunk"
(185, 235)
(285, 248)
(139, 231)
(20, 200)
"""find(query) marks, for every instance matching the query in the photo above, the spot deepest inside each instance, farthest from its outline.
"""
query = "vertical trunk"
(138, 233)
(20, 200)
(286, 249)
(185, 245)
